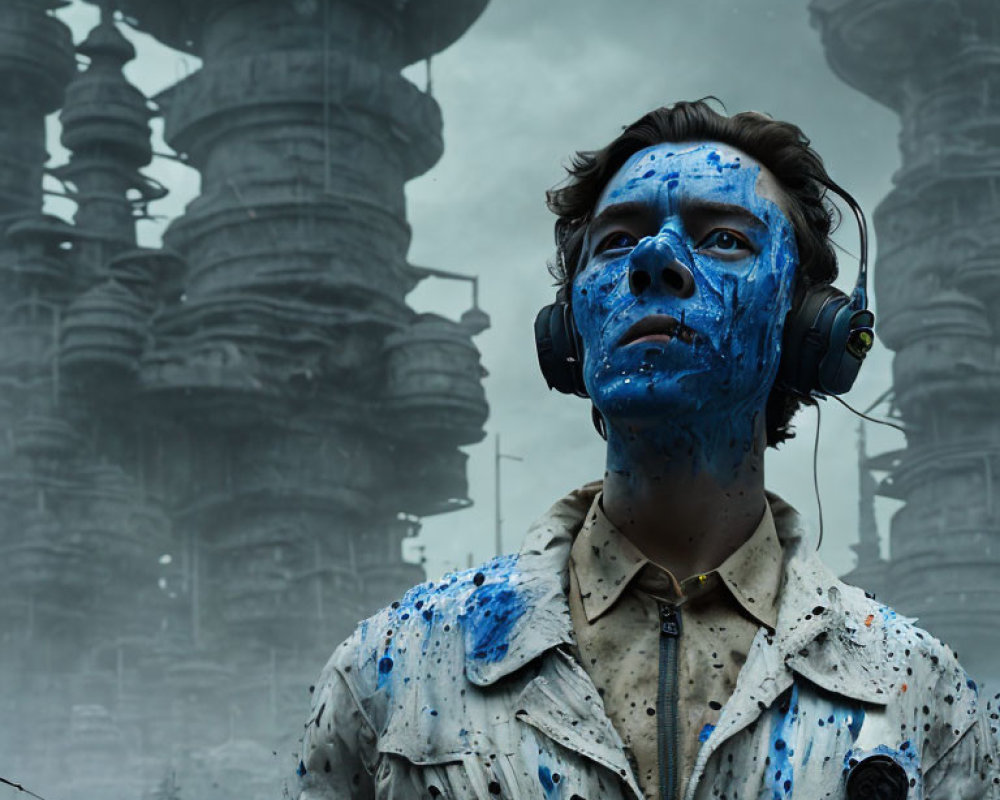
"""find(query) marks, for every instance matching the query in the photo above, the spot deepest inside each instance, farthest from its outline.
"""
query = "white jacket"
(468, 688)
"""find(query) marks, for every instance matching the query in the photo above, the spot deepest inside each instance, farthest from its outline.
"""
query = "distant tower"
(105, 125)
(299, 415)
(211, 453)
(37, 550)
(84, 534)
(937, 283)
(36, 61)
(870, 571)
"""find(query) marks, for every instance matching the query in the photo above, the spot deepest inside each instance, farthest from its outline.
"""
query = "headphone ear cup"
(560, 355)
(824, 344)
(806, 339)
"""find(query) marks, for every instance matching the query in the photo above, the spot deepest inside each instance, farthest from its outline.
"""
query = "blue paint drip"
(705, 733)
(781, 751)
(550, 782)
(848, 717)
(481, 600)
(857, 719)
(489, 618)
(887, 614)
(545, 778)
(385, 665)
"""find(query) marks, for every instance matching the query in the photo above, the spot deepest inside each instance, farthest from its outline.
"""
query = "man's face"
(693, 232)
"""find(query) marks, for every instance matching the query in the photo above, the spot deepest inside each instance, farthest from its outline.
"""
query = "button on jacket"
(468, 687)
(664, 691)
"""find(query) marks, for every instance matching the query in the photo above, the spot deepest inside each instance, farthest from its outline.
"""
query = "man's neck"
(685, 505)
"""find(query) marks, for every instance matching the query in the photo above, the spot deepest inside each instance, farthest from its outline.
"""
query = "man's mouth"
(657, 328)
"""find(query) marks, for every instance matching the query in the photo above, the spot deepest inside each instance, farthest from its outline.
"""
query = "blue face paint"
(706, 387)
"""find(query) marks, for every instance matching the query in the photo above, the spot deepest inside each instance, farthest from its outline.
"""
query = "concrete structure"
(871, 569)
(214, 450)
(937, 283)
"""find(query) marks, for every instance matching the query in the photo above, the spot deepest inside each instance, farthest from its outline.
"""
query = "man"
(667, 632)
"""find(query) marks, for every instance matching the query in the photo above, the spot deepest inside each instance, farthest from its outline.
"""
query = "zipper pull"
(670, 621)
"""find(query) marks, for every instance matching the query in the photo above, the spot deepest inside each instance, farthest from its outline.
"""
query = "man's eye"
(616, 241)
(725, 241)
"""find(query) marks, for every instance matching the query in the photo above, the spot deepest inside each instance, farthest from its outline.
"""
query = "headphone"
(825, 339)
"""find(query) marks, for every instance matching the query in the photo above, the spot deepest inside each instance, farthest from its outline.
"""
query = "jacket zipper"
(666, 701)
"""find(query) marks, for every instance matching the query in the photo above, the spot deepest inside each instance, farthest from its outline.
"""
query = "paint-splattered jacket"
(468, 688)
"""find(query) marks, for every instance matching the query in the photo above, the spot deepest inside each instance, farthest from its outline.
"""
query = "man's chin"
(649, 408)
(669, 405)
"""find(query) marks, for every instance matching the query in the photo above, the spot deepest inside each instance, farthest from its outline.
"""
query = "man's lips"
(657, 327)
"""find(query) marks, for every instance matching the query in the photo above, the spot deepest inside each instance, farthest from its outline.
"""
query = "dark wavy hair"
(780, 146)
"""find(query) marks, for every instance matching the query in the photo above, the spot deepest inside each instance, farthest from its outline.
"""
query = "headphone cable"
(861, 414)
(819, 503)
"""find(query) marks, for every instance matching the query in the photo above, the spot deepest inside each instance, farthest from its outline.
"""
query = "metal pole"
(195, 591)
(327, 175)
(989, 483)
(498, 535)
(498, 532)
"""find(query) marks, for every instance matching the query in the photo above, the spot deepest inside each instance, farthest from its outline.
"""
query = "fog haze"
(527, 86)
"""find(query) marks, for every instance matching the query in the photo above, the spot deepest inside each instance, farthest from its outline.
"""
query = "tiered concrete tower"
(212, 452)
(870, 570)
(78, 533)
(937, 283)
(316, 415)
(38, 553)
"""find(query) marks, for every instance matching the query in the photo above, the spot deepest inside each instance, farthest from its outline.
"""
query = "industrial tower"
(937, 282)
(213, 451)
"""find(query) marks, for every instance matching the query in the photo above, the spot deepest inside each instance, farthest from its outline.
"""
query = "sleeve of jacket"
(339, 738)
(970, 770)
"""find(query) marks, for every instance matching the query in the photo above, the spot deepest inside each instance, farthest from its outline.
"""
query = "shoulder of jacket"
(925, 656)
(938, 696)
(387, 647)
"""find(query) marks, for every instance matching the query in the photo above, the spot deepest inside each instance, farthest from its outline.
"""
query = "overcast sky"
(529, 84)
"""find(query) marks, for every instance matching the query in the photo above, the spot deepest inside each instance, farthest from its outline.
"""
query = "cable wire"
(20, 788)
(819, 503)
(865, 416)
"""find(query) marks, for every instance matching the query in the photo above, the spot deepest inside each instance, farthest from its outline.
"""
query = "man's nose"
(654, 267)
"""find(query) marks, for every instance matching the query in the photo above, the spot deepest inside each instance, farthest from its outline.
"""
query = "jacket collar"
(824, 631)
(820, 629)
(606, 563)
